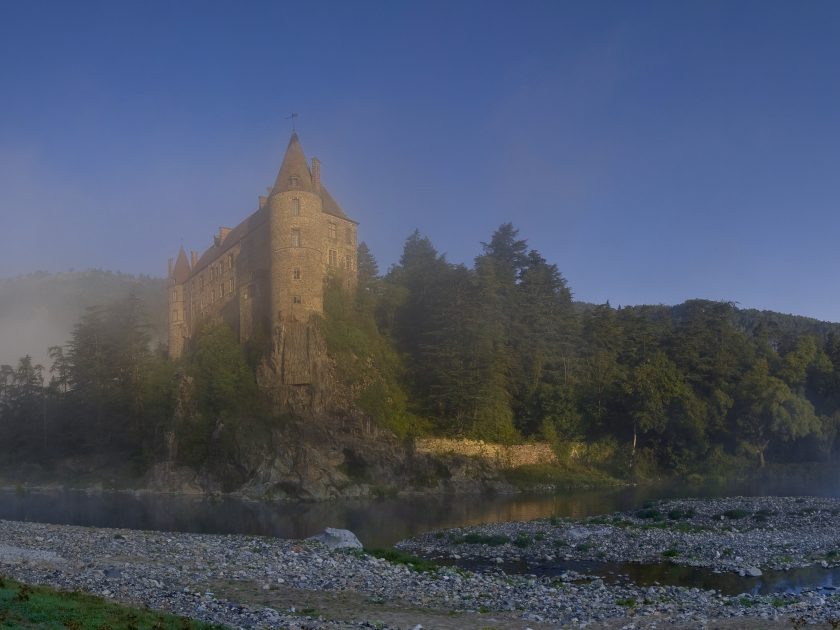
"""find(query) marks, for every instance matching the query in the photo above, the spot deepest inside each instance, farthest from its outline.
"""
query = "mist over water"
(378, 523)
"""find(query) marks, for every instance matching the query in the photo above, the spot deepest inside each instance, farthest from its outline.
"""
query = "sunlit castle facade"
(268, 271)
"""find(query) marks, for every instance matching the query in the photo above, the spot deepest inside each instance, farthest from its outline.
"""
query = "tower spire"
(292, 117)
(294, 173)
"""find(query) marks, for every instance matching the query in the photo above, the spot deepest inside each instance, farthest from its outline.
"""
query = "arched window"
(295, 207)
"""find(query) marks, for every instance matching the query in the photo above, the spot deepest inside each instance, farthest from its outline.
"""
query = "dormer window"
(295, 237)
(296, 273)
(294, 181)
(331, 229)
(295, 207)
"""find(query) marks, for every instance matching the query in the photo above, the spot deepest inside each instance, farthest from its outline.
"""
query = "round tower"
(296, 223)
(178, 276)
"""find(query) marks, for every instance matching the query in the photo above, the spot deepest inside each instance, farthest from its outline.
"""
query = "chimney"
(316, 173)
(223, 232)
(170, 268)
(194, 257)
(262, 201)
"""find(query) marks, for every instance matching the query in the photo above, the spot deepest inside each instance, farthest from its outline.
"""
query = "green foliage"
(522, 541)
(24, 606)
(225, 383)
(492, 540)
(365, 359)
(650, 514)
(395, 556)
(560, 477)
(494, 351)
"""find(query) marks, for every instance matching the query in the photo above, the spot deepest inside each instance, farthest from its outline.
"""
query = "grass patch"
(650, 514)
(678, 514)
(394, 556)
(670, 553)
(24, 606)
(561, 477)
(733, 515)
(474, 538)
(522, 541)
(628, 602)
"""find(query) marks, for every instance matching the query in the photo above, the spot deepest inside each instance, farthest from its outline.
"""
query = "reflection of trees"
(376, 523)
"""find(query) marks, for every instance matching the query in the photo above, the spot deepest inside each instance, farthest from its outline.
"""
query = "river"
(377, 523)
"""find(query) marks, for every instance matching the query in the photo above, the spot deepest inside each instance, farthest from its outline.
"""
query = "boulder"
(337, 539)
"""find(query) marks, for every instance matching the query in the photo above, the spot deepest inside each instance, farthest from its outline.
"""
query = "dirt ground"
(351, 606)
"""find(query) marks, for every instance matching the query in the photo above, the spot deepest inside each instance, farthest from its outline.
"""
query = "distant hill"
(747, 319)
(39, 310)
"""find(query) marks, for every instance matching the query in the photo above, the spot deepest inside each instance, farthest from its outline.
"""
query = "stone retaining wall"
(500, 455)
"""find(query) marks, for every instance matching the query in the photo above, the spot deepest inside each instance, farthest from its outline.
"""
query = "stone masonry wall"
(499, 455)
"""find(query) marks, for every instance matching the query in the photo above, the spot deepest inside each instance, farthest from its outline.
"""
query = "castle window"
(295, 207)
(347, 262)
(214, 296)
(174, 316)
(331, 229)
(333, 258)
(230, 261)
(201, 283)
(246, 292)
(295, 237)
(230, 285)
(222, 290)
(296, 299)
(175, 295)
(296, 273)
(294, 181)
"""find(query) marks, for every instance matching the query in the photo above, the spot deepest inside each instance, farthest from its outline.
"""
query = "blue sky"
(655, 151)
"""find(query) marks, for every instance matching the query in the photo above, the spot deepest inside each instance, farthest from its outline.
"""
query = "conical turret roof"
(294, 172)
(181, 270)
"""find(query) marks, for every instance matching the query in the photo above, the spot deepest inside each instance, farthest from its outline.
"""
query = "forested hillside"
(497, 351)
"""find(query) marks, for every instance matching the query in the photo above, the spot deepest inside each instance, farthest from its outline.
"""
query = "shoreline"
(252, 581)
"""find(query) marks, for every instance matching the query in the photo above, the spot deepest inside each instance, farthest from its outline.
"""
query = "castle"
(266, 276)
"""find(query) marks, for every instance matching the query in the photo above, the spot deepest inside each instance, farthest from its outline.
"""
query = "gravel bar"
(249, 581)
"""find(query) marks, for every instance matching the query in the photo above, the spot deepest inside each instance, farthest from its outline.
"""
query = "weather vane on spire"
(292, 118)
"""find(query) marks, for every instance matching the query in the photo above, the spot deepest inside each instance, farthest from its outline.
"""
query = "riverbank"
(249, 581)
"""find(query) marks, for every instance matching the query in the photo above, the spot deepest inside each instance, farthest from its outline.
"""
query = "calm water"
(377, 523)
(381, 523)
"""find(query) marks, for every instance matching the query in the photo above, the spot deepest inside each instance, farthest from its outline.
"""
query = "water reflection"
(377, 523)
(793, 581)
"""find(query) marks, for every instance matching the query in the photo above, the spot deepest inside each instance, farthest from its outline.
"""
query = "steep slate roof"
(234, 236)
(331, 205)
(181, 271)
(295, 165)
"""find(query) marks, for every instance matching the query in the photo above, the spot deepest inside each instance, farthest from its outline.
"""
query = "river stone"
(338, 539)
(753, 571)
